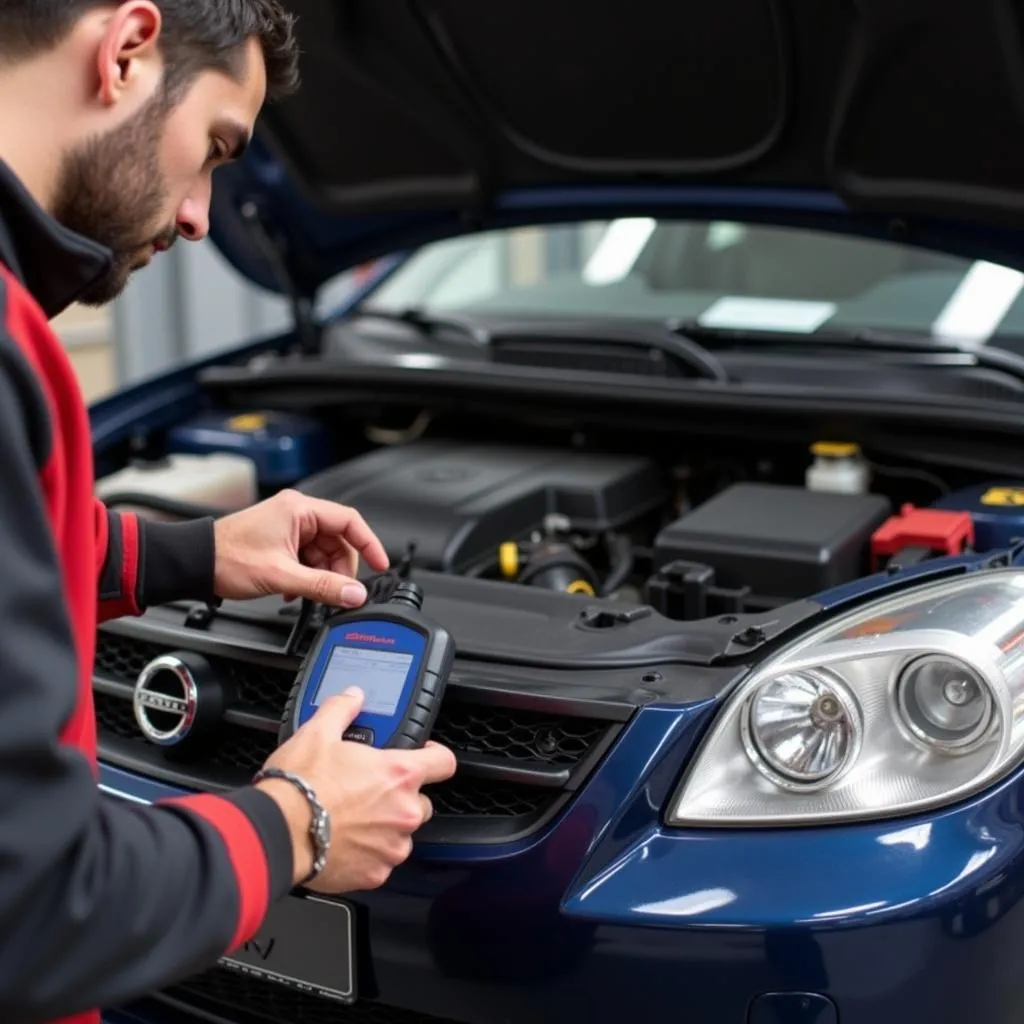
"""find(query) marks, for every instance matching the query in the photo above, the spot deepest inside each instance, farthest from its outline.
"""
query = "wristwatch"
(319, 827)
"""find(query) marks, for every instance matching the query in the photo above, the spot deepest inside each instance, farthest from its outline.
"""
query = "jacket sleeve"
(100, 901)
(142, 562)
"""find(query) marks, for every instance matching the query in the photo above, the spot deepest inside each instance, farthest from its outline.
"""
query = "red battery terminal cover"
(942, 531)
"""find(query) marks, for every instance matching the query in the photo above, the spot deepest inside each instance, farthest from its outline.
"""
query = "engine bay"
(692, 537)
(583, 573)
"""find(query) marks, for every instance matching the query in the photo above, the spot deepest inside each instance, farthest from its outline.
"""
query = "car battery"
(997, 510)
(780, 541)
(286, 447)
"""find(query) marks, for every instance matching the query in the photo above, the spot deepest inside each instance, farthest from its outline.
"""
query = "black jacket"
(100, 900)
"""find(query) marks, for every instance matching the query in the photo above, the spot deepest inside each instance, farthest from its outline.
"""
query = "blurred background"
(190, 303)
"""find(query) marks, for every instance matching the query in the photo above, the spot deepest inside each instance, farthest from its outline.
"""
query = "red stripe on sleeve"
(248, 860)
(129, 560)
(126, 603)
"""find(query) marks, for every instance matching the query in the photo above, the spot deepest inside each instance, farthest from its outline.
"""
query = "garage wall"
(191, 303)
(184, 305)
(88, 335)
(187, 304)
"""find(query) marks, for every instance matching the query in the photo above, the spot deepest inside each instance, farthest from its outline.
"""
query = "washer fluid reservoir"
(838, 467)
(220, 481)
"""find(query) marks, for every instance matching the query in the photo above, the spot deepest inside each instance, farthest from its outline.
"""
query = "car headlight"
(908, 703)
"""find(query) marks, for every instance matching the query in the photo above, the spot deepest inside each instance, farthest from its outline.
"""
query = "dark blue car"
(687, 384)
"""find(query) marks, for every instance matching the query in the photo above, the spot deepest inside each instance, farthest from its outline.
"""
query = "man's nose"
(193, 221)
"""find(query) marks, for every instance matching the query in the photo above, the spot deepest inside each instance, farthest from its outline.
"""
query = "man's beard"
(111, 190)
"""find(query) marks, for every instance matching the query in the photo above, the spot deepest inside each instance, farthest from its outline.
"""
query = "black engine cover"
(459, 501)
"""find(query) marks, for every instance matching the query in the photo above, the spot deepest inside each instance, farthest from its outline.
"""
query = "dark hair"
(197, 35)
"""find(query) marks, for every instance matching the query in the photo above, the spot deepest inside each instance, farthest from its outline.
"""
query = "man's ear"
(128, 49)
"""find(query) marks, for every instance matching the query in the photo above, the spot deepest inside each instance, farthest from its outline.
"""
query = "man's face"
(137, 187)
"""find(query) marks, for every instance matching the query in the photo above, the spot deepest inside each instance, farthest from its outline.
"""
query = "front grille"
(241, 750)
(517, 735)
(114, 716)
(259, 687)
(498, 735)
(266, 1001)
(238, 751)
(468, 796)
(244, 751)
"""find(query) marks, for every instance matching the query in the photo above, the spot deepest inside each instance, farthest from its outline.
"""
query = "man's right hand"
(373, 797)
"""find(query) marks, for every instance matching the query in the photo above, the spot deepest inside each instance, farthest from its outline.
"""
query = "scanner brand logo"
(369, 638)
(165, 700)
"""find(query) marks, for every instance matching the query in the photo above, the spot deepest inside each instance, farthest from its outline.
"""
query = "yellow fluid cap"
(580, 587)
(835, 449)
(248, 422)
(508, 559)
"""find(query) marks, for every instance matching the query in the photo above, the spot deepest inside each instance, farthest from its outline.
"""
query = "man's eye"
(217, 151)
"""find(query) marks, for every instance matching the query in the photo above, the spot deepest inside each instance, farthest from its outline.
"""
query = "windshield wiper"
(946, 353)
(426, 323)
(679, 346)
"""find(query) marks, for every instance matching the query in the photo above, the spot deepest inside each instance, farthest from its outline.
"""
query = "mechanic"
(113, 117)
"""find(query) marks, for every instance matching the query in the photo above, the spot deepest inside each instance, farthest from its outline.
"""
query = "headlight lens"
(802, 729)
(944, 704)
(908, 703)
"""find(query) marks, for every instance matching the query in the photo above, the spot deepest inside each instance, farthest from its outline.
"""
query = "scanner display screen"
(379, 674)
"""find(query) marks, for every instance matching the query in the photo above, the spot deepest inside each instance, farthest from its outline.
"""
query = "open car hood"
(424, 118)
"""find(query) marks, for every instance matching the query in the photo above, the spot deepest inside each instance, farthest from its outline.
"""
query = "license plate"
(305, 943)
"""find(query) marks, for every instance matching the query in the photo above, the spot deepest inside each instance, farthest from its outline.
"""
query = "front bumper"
(609, 916)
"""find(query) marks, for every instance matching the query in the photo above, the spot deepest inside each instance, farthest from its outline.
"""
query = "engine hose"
(169, 506)
(620, 550)
(555, 565)
(387, 436)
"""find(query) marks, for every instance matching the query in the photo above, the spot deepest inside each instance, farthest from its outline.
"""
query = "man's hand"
(373, 797)
(297, 546)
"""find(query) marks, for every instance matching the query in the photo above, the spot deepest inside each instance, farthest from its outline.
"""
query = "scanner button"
(359, 734)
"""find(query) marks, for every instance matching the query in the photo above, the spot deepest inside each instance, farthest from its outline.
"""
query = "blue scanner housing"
(382, 658)
(397, 657)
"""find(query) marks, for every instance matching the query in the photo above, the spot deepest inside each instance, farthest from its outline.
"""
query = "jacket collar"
(55, 264)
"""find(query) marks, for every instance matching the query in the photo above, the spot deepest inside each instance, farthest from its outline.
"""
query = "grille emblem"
(166, 700)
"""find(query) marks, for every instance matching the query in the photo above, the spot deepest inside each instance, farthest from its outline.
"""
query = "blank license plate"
(305, 943)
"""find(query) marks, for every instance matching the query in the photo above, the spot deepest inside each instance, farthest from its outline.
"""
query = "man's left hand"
(297, 546)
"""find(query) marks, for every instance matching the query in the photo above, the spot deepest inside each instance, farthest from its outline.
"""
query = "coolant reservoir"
(838, 467)
(220, 481)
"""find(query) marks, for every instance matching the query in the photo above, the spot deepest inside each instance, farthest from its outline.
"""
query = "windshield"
(720, 273)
